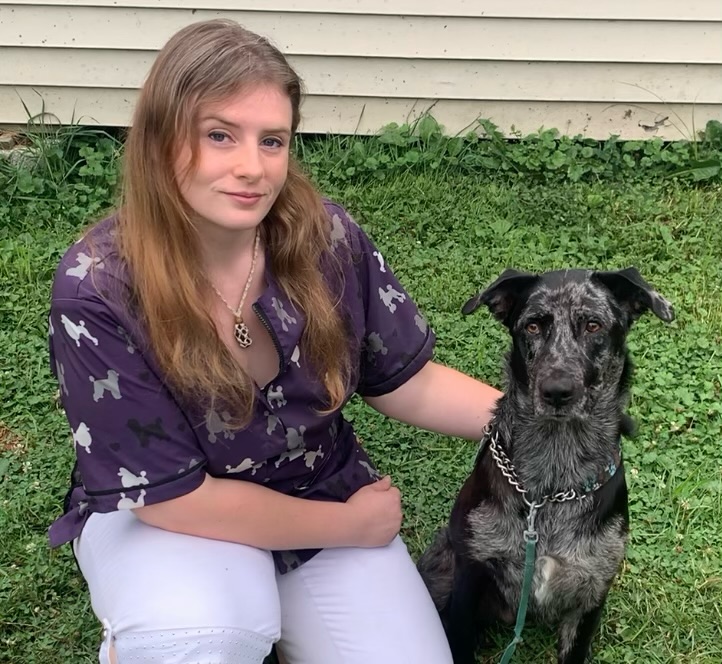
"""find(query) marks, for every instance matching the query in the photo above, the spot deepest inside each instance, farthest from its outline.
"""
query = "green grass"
(447, 233)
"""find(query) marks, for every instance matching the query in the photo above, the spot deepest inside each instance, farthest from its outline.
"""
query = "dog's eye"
(593, 326)
(533, 328)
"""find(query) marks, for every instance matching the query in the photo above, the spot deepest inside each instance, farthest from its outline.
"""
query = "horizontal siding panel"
(347, 115)
(484, 80)
(647, 10)
(393, 36)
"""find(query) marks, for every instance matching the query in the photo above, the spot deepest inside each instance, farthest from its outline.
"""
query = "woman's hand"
(375, 513)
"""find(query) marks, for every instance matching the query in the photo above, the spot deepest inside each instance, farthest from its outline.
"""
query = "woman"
(205, 339)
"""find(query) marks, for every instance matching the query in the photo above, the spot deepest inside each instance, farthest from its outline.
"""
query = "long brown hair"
(205, 63)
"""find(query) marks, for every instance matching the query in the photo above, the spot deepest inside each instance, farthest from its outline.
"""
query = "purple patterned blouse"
(137, 444)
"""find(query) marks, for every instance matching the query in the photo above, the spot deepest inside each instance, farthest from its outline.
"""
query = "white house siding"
(637, 69)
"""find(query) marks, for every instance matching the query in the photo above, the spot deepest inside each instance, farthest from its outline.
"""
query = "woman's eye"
(533, 328)
(217, 136)
(272, 142)
(592, 326)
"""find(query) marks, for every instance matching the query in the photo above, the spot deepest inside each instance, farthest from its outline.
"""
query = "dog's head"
(569, 329)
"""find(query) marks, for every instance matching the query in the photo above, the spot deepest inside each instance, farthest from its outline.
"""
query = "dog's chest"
(575, 558)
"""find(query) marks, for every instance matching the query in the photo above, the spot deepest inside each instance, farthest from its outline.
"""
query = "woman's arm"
(440, 399)
(247, 513)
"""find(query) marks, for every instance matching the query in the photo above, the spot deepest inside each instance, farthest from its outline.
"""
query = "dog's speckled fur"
(559, 422)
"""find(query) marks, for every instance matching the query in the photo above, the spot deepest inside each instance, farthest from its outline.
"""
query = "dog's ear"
(502, 295)
(634, 294)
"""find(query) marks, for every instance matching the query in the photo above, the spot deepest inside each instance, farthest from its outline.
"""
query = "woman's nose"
(248, 163)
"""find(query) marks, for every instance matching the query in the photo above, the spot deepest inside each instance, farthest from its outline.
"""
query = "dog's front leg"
(575, 635)
(461, 614)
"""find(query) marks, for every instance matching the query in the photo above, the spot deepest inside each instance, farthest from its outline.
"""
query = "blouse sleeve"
(396, 340)
(133, 443)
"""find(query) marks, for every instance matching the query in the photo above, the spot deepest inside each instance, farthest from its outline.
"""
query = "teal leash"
(531, 537)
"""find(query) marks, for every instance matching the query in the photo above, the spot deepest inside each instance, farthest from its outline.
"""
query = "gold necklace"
(240, 329)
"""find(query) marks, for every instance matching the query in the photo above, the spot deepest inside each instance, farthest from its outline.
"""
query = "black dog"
(553, 443)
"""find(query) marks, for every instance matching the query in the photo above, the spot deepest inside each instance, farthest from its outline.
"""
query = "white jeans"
(178, 599)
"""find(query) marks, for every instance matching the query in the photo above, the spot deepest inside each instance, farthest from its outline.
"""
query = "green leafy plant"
(71, 170)
(545, 156)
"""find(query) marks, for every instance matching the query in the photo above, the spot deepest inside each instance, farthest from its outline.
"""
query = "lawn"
(447, 230)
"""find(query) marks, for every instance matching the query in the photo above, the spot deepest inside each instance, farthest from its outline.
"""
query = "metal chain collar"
(505, 466)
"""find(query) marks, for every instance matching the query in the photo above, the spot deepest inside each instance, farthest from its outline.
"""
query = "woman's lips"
(244, 198)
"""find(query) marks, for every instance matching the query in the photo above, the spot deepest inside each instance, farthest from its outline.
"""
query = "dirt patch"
(10, 442)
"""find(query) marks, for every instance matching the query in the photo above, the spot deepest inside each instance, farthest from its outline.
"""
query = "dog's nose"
(558, 391)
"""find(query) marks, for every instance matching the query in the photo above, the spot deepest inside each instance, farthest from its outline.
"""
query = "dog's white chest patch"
(546, 568)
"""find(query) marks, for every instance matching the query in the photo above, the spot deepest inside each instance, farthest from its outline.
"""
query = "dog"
(549, 463)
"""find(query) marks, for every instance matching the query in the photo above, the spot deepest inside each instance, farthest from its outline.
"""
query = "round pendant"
(242, 334)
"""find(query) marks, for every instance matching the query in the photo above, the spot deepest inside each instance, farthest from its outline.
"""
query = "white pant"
(172, 598)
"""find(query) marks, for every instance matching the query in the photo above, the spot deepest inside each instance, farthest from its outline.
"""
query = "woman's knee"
(358, 606)
(168, 593)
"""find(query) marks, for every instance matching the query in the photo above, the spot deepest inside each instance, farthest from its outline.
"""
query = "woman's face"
(243, 154)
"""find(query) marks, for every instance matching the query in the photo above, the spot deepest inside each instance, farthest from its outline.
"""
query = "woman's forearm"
(252, 514)
(441, 399)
